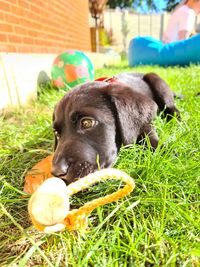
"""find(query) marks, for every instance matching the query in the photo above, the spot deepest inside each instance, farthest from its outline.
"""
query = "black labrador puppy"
(92, 121)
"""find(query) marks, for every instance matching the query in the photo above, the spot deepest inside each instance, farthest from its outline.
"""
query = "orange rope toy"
(49, 206)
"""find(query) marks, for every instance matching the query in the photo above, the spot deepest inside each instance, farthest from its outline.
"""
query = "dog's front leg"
(148, 131)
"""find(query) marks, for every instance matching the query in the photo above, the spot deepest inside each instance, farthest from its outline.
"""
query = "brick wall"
(44, 26)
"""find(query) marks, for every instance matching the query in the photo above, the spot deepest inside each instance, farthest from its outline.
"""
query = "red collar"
(107, 79)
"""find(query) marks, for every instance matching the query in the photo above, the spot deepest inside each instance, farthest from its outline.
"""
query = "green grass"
(157, 225)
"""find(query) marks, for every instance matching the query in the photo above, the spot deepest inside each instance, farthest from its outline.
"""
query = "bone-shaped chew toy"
(48, 207)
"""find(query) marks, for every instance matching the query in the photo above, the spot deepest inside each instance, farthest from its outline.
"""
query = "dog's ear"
(132, 111)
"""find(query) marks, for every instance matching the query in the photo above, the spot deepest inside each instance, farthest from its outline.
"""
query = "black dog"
(95, 119)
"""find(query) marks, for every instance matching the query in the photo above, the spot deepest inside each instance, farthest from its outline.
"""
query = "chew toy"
(38, 174)
(49, 205)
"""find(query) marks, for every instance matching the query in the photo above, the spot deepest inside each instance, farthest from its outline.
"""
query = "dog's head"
(91, 123)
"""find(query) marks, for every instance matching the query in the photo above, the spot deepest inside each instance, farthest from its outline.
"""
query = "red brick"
(4, 27)
(35, 9)
(46, 26)
(35, 25)
(28, 40)
(24, 4)
(4, 6)
(32, 33)
(7, 48)
(39, 3)
(3, 37)
(43, 42)
(11, 1)
(17, 10)
(2, 17)
(29, 24)
(36, 49)
(24, 49)
(32, 16)
(20, 30)
(11, 18)
(14, 39)
(44, 13)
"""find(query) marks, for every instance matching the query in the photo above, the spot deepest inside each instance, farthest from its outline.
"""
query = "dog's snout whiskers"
(84, 169)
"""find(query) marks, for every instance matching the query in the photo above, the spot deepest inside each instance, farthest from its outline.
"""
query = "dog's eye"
(56, 134)
(87, 123)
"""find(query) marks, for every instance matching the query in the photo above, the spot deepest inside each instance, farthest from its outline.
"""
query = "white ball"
(49, 205)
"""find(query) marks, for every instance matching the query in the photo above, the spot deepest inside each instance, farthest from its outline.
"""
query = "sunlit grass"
(157, 225)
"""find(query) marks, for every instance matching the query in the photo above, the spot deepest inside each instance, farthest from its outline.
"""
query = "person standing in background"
(181, 22)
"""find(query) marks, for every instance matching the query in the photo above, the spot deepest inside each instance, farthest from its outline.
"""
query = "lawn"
(157, 225)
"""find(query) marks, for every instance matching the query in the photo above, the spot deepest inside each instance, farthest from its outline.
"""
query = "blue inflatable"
(150, 51)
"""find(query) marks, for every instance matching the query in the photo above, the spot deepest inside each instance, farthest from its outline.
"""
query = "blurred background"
(33, 33)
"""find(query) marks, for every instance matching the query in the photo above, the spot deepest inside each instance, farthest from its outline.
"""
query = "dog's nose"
(60, 168)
